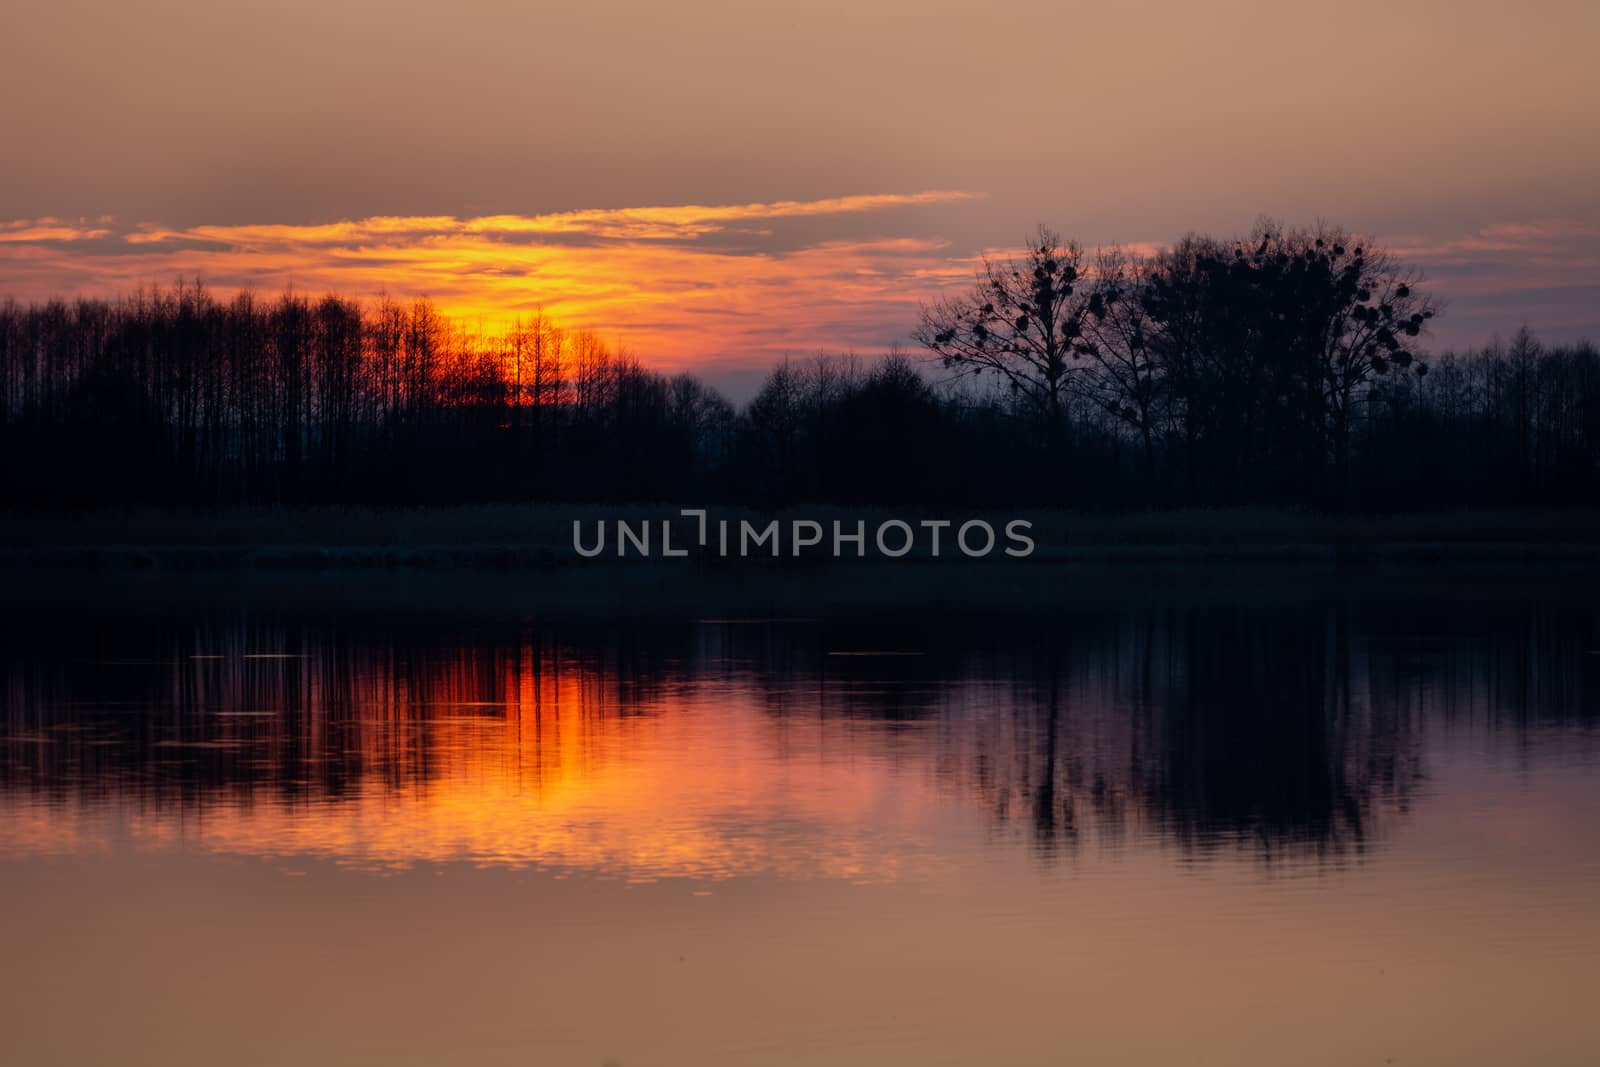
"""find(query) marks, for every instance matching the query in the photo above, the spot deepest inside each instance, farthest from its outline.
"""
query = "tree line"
(1284, 369)
(175, 396)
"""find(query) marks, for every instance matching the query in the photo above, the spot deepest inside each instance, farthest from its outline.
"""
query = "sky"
(719, 184)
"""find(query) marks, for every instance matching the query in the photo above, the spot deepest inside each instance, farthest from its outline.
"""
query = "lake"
(1234, 819)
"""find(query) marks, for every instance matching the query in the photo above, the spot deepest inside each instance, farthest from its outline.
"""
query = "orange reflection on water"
(516, 760)
(1204, 774)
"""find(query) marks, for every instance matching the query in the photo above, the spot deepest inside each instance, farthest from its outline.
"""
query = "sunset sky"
(717, 184)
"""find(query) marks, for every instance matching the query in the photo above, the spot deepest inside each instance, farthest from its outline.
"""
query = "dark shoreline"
(545, 557)
(539, 538)
(919, 594)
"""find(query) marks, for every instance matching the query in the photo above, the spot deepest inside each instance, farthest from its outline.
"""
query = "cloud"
(650, 277)
(1563, 245)
(1544, 273)
(736, 285)
(672, 223)
(48, 230)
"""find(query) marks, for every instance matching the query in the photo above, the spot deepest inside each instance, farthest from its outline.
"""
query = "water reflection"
(859, 749)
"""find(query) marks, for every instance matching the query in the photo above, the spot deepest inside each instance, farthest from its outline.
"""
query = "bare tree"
(1020, 323)
(1126, 378)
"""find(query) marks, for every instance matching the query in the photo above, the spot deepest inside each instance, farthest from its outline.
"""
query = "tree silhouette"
(1021, 323)
(1127, 380)
(1267, 345)
(1280, 370)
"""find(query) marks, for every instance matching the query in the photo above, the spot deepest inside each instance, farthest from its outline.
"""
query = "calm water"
(1312, 828)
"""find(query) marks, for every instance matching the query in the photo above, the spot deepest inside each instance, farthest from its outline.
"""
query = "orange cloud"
(33, 231)
(699, 285)
(682, 285)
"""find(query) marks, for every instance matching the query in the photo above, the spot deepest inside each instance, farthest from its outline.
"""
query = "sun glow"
(703, 287)
(683, 285)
